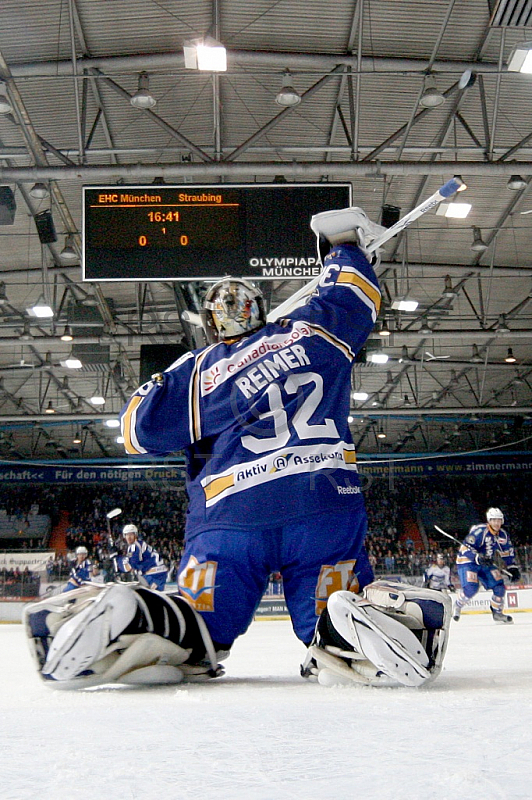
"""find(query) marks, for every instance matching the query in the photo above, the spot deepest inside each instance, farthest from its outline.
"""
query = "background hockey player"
(81, 571)
(438, 575)
(142, 559)
(261, 413)
(475, 564)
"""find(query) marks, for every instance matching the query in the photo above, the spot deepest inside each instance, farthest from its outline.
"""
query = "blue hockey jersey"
(142, 558)
(263, 421)
(482, 540)
(79, 574)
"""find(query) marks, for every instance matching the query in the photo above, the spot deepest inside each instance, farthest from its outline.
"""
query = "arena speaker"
(7, 206)
(45, 227)
(157, 357)
(390, 215)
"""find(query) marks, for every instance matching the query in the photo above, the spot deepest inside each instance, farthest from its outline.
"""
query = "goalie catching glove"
(119, 633)
(395, 634)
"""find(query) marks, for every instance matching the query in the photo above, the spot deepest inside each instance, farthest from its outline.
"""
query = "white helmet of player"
(82, 551)
(232, 307)
(130, 529)
(495, 513)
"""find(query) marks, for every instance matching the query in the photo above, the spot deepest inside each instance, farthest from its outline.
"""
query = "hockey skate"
(499, 617)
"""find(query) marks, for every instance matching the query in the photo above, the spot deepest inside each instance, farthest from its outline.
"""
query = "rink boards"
(518, 599)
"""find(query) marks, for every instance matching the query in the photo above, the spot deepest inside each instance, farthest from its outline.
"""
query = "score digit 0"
(143, 241)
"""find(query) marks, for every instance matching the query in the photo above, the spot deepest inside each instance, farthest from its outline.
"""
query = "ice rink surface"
(263, 733)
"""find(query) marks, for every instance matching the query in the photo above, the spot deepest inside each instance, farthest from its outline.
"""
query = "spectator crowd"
(401, 516)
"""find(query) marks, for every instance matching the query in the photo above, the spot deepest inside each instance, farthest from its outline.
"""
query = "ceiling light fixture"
(41, 309)
(39, 191)
(405, 358)
(360, 396)
(77, 438)
(205, 54)
(516, 182)
(381, 434)
(510, 358)
(49, 408)
(448, 290)
(288, 95)
(502, 327)
(120, 440)
(97, 399)
(454, 210)
(26, 335)
(521, 58)
(5, 105)
(384, 329)
(350, 419)
(3, 295)
(112, 423)
(404, 304)
(67, 334)
(425, 328)
(71, 363)
(431, 97)
(143, 98)
(478, 245)
(476, 358)
(68, 253)
(379, 358)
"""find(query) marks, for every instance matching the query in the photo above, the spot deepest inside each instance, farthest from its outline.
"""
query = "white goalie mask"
(233, 307)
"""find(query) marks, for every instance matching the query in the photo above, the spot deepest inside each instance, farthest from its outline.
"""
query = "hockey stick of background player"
(473, 550)
(444, 192)
(114, 512)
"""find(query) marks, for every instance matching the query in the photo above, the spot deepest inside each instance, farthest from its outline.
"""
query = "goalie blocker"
(126, 633)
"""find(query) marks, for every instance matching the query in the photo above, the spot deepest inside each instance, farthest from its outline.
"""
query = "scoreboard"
(203, 232)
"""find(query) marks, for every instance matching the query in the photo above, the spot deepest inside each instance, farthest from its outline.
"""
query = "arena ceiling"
(361, 68)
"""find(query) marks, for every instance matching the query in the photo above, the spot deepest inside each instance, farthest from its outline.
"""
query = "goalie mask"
(233, 307)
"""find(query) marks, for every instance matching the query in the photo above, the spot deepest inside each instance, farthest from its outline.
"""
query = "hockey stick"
(443, 192)
(473, 550)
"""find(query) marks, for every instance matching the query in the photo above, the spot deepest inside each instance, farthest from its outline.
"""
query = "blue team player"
(142, 559)
(81, 571)
(475, 564)
(261, 413)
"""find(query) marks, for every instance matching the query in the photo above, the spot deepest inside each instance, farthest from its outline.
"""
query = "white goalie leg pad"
(427, 612)
(386, 643)
(84, 639)
(119, 633)
(394, 634)
(78, 640)
(346, 225)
